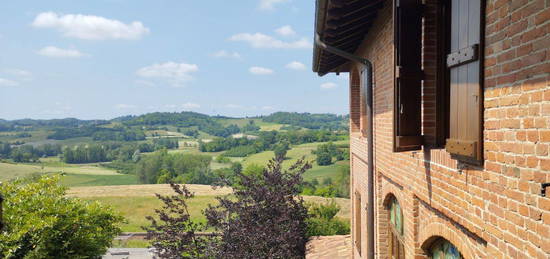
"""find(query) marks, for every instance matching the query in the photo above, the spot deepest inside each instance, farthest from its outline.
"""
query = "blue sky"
(105, 58)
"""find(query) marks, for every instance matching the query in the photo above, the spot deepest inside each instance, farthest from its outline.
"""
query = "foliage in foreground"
(264, 218)
(40, 222)
(173, 233)
(323, 221)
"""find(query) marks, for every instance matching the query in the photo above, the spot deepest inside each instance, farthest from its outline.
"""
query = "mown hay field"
(135, 202)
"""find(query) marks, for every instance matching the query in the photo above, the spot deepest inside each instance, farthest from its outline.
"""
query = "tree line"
(28, 153)
(309, 121)
(162, 167)
(266, 140)
(114, 151)
(99, 133)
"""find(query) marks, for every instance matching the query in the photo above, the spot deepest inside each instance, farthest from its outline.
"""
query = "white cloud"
(226, 54)
(18, 72)
(285, 31)
(259, 40)
(190, 105)
(295, 65)
(267, 107)
(90, 27)
(328, 85)
(260, 71)
(7, 82)
(175, 73)
(56, 52)
(123, 106)
(270, 4)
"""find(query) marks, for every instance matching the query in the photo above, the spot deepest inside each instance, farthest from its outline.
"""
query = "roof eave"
(320, 16)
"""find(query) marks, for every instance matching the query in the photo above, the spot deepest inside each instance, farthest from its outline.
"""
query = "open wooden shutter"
(465, 73)
(408, 75)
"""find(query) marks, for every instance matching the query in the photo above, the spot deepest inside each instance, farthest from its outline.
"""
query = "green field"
(73, 175)
(75, 180)
(297, 152)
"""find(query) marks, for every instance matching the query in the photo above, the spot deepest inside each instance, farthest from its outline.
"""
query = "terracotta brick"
(544, 135)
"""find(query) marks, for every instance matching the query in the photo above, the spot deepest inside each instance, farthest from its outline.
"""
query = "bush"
(324, 158)
(323, 221)
(173, 233)
(265, 218)
(40, 222)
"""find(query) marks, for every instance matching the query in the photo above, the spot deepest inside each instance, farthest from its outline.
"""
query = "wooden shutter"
(408, 75)
(465, 77)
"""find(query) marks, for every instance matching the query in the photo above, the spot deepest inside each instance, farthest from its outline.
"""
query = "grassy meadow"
(297, 152)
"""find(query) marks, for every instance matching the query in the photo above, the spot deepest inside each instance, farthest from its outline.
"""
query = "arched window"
(396, 248)
(443, 249)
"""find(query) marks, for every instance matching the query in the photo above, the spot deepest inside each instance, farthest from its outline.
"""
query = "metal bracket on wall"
(543, 189)
(463, 56)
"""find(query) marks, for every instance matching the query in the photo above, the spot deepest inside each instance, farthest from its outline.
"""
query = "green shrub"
(322, 220)
(41, 222)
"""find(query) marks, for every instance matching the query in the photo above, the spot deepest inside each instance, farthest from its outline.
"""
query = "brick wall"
(493, 211)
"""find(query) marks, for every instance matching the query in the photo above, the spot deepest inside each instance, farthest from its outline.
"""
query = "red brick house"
(460, 129)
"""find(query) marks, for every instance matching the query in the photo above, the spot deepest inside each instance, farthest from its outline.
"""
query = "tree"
(265, 218)
(324, 158)
(281, 149)
(41, 222)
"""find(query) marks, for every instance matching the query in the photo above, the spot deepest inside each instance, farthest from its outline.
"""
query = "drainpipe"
(367, 65)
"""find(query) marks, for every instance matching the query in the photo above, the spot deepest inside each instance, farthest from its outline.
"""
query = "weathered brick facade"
(491, 211)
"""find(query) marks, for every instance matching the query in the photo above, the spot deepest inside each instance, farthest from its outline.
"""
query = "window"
(443, 249)
(459, 77)
(408, 75)
(396, 247)
(357, 227)
(465, 68)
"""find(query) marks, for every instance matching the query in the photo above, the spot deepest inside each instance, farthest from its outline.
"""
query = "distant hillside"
(6, 125)
(309, 120)
(203, 122)
(213, 125)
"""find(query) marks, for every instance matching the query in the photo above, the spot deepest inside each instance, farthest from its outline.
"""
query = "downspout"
(367, 65)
